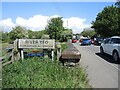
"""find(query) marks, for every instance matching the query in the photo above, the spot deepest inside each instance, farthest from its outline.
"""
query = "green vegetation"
(6, 60)
(56, 30)
(64, 45)
(53, 30)
(18, 32)
(88, 33)
(3, 46)
(2, 53)
(38, 72)
(65, 35)
(36, 34)
(107, 22)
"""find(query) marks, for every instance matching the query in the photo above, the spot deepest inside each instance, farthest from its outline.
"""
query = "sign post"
(22, 54)
(52, 55)
(36, 44)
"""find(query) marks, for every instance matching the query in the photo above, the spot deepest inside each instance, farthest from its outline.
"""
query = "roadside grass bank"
(64, 45)
(39, 72)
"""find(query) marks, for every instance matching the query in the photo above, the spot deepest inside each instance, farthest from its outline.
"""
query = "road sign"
(36, 43)
(35, 53)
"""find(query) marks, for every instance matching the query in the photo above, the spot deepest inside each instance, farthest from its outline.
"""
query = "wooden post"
(52, 55)
(12, 55)
(22, 54)
(45, 53)
(58, 47)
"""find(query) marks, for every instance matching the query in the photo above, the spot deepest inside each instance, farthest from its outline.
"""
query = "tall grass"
(39, 72)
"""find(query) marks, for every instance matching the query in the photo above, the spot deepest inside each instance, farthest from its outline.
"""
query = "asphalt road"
(102, 71)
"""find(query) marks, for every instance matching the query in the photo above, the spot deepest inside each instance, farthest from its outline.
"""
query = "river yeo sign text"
(36, 43)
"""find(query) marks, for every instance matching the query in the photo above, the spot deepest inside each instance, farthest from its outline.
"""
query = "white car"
(111, 46)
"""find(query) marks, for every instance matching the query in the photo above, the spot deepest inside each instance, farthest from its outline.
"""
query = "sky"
(34, 15)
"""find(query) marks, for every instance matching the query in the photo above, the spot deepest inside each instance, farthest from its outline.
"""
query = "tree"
(36, 34)
(106, 23)
(45, 36)
(66, 34)
(18, 33)
(5, 37)
(55, 28)
(88, 33)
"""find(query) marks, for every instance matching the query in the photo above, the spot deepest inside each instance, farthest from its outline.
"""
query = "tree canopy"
(18, 32)
(55, 28)
(66, 34)
(106, 23)
(36, 34)
(88, 33)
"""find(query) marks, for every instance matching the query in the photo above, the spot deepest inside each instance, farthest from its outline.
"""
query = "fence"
(11, 56)
(14, 54)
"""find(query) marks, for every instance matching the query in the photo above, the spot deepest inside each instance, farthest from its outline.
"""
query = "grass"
(64, 45)
(39, 72)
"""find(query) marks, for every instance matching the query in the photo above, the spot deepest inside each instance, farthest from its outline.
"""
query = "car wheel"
(101, 50)
(115, 56)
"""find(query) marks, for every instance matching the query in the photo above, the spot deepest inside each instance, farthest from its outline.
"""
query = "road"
(102, 71)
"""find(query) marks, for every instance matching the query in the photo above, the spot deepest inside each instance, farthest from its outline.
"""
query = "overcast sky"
(34, 15)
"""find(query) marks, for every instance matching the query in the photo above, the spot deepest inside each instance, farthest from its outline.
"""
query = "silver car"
(111, 46)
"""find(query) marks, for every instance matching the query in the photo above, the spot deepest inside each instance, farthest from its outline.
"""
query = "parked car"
(74, 40)
(92, 41)
(98, 41)
(85, 41)
(111, 46)
(80, 40)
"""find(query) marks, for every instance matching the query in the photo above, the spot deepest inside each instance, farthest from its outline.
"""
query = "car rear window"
(74, 39)
(100, 39)
(85, 39)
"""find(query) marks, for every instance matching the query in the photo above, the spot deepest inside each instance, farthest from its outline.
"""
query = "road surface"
(102, 71)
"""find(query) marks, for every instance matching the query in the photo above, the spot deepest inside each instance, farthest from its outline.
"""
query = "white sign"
(36, 43)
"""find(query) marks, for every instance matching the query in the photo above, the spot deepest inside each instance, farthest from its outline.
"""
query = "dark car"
(98, 41)
(74, 40)
(85, 41)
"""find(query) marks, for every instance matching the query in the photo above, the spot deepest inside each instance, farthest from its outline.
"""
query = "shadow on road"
(107, 58)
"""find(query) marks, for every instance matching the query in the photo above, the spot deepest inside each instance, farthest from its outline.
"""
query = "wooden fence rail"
(10, 55)
(7, 56)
